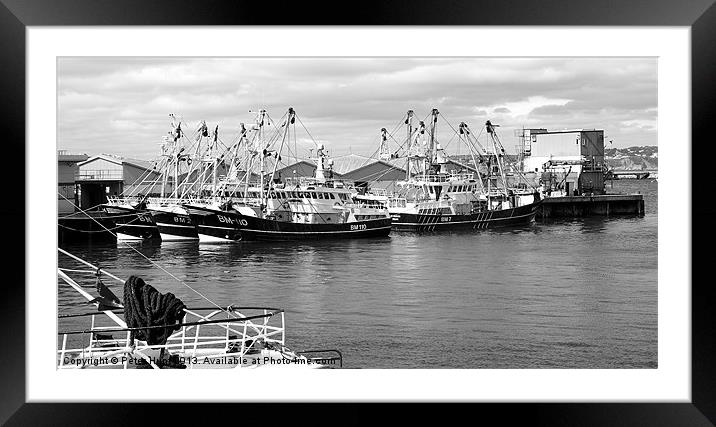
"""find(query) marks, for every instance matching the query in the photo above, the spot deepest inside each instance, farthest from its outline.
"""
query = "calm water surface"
(563, 294)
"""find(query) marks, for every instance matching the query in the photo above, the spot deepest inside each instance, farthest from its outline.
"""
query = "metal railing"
(99, 175)
(168, 201)
(444, 177)
(201, 336)
(123, 200)
(304, 181)
(380, 192)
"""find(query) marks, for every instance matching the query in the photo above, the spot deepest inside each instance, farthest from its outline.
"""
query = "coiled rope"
(144, 306)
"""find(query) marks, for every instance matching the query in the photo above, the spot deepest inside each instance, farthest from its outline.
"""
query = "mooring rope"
(145, 306)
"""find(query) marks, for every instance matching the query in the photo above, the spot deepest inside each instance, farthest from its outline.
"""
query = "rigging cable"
(148, 259)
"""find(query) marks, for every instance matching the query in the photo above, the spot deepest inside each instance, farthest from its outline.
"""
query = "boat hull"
(264, 229)
(253, 228)
(131, 224)
(212, 225)
(174, 226)
(512, 217)
(85, 227)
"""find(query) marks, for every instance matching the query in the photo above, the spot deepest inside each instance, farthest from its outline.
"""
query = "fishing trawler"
(196, 159)
(165, 334)
(301, 208)
(435, 197)
(131, 219)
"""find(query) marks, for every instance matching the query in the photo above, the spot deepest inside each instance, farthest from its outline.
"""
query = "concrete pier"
(597, 205)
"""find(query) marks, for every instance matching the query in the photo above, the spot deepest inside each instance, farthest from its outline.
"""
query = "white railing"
(380, 192)
(202, 336)
(164, 201)
(99, 175)
(444, 177)
(304, 181)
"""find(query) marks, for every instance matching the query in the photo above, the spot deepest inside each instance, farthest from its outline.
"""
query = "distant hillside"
(633, 158)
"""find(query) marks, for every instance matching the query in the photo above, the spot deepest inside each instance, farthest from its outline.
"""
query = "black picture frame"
(16, 15)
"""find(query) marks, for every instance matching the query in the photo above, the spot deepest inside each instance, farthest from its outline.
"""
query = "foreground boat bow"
(206, 337)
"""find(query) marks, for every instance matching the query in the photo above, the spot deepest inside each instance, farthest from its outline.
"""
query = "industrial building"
(290, 168)
(105, 175)
(66, 171)
(368, 171)
(572, 160)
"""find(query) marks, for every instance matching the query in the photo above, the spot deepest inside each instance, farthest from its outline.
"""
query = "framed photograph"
(405, 205)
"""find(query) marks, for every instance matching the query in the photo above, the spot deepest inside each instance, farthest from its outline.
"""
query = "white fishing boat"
(154, 200)
(317, 207)
(153, 330)
(436, 196)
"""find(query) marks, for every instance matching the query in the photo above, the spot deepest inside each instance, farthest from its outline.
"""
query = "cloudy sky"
(122, 105)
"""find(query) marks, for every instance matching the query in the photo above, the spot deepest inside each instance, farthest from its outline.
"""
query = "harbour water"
(576, 293)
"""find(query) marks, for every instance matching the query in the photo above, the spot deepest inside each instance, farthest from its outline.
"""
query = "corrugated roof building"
(66, 170)
(365, 170)
(107, 175)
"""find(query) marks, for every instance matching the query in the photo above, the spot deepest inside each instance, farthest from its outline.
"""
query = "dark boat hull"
(264, 229)
(85, 227)
(212, 225)
(132, 224)
(519, 216)
(253, 228)
(174, 226)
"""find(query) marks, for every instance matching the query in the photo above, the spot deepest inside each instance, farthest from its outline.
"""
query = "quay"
(595, 205)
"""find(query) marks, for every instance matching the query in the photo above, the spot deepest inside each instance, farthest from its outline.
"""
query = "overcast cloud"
(122, 105)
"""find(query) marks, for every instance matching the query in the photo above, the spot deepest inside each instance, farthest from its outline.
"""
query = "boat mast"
(422, 132)
(409, 122)
(216, 158)
(262, 113)
(175, 155)
(176, 158)
(200, 172)
(290, 120)
(248, 156)
(232, 158)
(165, 158)
(433, 128)
(489, 179)
(384, 153)
(465, 130)
(498, 155)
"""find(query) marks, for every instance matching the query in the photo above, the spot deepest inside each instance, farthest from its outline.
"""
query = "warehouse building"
(366, 171)
(105, 175)
(289, 167)
(575, 157)
(66, 169)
